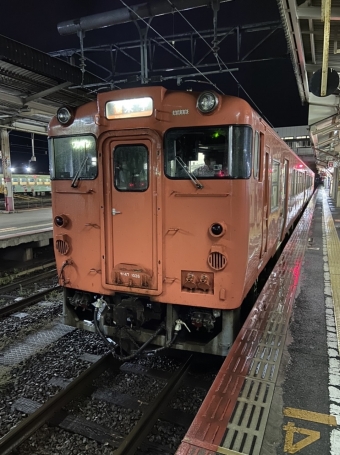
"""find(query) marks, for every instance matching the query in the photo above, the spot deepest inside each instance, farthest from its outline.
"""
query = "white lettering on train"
(180, 112)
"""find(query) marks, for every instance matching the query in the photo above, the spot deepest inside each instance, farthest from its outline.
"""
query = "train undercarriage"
(131, 325)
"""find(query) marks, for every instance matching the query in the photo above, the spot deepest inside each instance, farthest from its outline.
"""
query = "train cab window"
(131, 168)
(73, 157)
(208, 152)
(274, 200)
(256, 158)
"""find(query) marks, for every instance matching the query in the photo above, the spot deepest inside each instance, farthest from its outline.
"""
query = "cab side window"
(256, 159)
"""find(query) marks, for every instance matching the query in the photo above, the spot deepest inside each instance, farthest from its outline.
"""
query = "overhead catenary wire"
(219, 60)
(173, 47)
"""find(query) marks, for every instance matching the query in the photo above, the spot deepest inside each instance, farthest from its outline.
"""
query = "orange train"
(167, 205)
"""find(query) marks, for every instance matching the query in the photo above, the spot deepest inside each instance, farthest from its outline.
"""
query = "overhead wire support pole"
(6, 168)
(81, 35)
(143, 33)
(235, 79)
(325, 17)
(170, 45)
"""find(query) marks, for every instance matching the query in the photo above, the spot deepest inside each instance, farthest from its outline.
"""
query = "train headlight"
(64, 115)
(207, 102)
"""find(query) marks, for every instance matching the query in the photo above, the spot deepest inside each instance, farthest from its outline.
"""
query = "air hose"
(178, 327)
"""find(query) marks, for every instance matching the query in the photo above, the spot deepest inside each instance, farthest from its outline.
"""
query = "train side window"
(256, 160)
(131, 168)
(261, 157)
(292, 183)
(274, 200)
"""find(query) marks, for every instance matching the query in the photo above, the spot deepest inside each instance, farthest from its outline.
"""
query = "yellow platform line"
(224, 451)
(310, 416)
(333, 250)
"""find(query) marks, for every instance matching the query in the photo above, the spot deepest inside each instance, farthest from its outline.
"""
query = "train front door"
(131, 208)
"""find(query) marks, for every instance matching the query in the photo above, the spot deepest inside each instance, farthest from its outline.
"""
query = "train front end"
(151, 217)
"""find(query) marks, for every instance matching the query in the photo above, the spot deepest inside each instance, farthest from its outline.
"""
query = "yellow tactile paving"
(333, 250)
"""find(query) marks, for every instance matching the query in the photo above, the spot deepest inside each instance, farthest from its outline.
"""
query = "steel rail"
(31, 424)
(42, 276)
(152, 413)
(8, 309)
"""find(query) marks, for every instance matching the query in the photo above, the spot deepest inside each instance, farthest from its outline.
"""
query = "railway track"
(43, 275)
(16, 300)
(13, 277)
(32, 423)
(28, 301)
(51, 413)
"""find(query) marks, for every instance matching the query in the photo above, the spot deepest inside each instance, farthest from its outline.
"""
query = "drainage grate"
(33, 343)
(247, 424)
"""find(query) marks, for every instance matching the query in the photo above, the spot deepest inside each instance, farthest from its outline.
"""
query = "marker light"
(61, 220)
(217, 229)
(64, 115)
(135, 107)
(207, 102)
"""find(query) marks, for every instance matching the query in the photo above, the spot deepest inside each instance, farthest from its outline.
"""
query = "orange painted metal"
(164, 230)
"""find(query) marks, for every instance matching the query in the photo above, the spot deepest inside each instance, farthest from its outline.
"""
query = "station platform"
(22, 233)
(278, 391)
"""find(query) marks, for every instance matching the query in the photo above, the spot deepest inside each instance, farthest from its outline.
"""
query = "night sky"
(269, 86)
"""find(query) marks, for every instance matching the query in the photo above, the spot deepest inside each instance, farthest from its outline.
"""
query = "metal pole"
(6, 167)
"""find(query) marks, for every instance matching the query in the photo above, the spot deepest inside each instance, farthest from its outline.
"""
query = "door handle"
(115, 212)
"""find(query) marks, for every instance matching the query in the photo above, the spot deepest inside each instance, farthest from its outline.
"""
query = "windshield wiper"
(76, 178)
(191, 176)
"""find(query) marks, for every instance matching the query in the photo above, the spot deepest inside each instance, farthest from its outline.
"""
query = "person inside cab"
(207, 170)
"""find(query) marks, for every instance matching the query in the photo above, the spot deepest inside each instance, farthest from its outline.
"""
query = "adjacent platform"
(23, 232)
(278, 391)
(24, 227)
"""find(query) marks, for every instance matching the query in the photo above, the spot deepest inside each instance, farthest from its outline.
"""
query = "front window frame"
(218, 169)
(76, 164)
